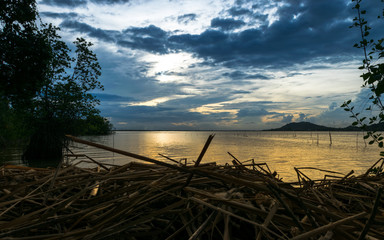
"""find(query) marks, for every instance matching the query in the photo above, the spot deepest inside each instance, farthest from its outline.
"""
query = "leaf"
(371, 142)
(379, 88)
(381, 144)
(371, 79)
(366, 75)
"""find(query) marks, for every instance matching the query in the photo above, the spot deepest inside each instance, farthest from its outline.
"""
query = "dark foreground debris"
(242, 200)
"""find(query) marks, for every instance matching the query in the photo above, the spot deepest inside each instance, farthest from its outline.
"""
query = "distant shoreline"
(290, 127)
(310, 127)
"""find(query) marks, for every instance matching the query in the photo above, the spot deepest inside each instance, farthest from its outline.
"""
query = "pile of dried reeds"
(242, 200)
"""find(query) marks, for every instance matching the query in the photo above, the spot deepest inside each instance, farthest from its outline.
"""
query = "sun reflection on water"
(282, 151)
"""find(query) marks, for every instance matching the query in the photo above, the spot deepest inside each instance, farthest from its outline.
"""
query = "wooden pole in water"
(330, 139)
(365, 142)
(317, 138)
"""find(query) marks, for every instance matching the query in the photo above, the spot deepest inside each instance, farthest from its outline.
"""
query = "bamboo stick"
(209, 140)
(372, 215)
(327, 227)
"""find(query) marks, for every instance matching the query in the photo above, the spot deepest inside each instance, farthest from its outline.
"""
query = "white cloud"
(157, 101)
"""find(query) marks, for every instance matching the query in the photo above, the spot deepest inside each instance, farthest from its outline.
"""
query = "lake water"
(282, 151)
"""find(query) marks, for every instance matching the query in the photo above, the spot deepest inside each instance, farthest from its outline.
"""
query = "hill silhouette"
(307, 126)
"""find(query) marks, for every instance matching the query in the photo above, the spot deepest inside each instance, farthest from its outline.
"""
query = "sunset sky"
(218, 64)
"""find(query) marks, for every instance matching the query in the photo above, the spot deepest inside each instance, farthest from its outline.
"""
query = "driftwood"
(160, 200)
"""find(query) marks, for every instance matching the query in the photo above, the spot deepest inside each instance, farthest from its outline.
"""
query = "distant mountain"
(302, 126)
(307, 126)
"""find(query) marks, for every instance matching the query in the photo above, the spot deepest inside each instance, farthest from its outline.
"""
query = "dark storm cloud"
(311, 31)
(150, 31)
(249, 112)
(240, 92)
(101, 34)
(65, 3)
(171, 73)
(292, 74)
(151, 38)
(77, 3)
(226, 24)
(146, 44)
(108, 2)
(303, 32)
(236, 11)
(59, 15)
(239, 75)
(186, 18)
(112, 97)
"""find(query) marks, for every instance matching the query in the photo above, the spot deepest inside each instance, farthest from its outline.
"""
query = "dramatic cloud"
(112, 98)
(234, 11)
(65, 3)
(104, 35)
(226, 24)
(151, 38)
(253, 113)
(287, 118)
(308, 33)
(186, 18)
(238, 75)
(76, 3)
(220, 64)
(59, 15)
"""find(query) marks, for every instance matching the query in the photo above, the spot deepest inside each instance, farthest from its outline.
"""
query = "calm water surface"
(280, 150)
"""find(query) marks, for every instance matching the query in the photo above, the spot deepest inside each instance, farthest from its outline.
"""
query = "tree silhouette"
(43, 83)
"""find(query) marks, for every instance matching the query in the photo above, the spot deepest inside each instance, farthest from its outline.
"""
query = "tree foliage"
(24, 53)
(65, 94)
(373, 76)
(42, 82)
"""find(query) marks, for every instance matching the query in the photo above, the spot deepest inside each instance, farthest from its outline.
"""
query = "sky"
(220, 64)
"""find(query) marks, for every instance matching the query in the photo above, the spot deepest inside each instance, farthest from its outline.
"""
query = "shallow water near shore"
(282, 151)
